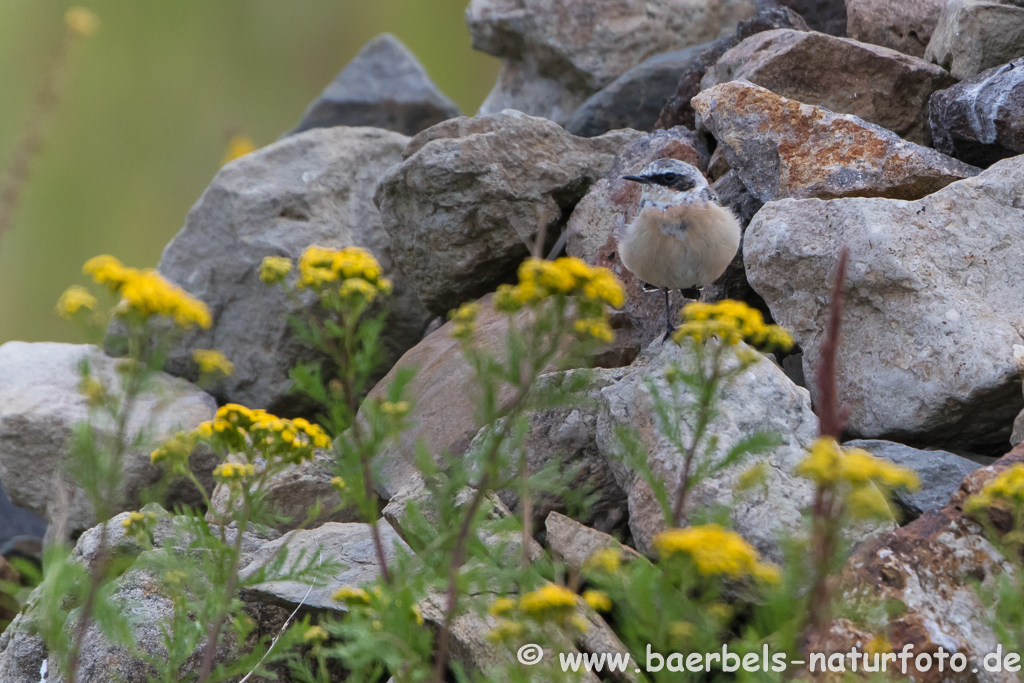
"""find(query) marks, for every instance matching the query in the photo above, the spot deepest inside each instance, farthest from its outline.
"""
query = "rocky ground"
(892, 127)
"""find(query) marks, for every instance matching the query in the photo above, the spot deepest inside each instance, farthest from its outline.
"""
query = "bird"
(681, 238)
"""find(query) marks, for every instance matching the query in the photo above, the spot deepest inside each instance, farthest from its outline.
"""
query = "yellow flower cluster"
(136, 522)
(464, 320)
(81, 21)
(350, 595)
(550, 599)
(395, 408)
(212, 361)
(233, 471)
(275, 269)
(828, 464)
(731, 322)
(315, 635)
(550, 602)
(235, 425)
(1006, 489)
(146, 293)
(238, 146)
(73, 300)
(607, 560)
(715, 552)
(597, 600)
(175, 451)
(353, 273)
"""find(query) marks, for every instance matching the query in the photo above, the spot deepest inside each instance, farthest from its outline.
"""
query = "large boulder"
(678, 111)
(382, 87)
(311, 188)
(609, 205)
(469, 192)
(906, 25)
(981, 120)
(933, 319)
(802, 66)
(40, 406)
(761, 399)
(828, 16)
(973, 35)
(557, 53)
(782, 148)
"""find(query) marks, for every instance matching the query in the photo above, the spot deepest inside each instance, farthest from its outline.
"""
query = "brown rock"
(574, 543)
(803, 65)
(906, 25)
(929, 566)
(782, 148)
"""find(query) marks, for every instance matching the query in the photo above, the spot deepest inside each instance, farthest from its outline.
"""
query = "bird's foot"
(668, 334)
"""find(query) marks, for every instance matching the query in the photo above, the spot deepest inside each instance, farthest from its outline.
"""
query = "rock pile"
(869, 132)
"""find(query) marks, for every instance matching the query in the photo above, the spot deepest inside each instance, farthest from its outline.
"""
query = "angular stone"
(930, 568)
(557, 54)
(311, 188)
(940, 473)
(782, 148)
(906, 25)
(574, 543)
(40, 405)
(974, 35)
(981, 120)
(634, 99)
(382, 87)
(678, 111)
(802, 66)
(608, 207)
(470, 191)
(932, 319)
(761, 399)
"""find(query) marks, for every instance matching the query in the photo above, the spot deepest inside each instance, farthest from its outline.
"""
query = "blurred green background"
(149, 105)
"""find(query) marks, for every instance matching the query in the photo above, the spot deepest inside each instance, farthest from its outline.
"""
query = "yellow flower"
(74, 299)
(175, 451)
(505, 630)
(550, 598)
(417, 614)
(350, 595)
(93, 390)
(1006, 490)
(81, 21)
(395, 408)
(598, 600)
(238, 146)
(501, 606)
(351, 273)
(607, 559)
(338, 483)
(136, 522)
(597, 328)
(146, 293)
(274, 269)
(230, 471)
(464, 320)
(714, 551)
(315, 635)
(569, 276)
(212, 361)
(731, 322)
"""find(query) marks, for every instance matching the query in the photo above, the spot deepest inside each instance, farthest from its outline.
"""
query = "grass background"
(149, 104)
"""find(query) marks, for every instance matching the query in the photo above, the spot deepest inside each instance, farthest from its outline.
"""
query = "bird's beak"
(637, 179)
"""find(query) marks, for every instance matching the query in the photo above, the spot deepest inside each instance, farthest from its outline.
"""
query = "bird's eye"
(670, 177)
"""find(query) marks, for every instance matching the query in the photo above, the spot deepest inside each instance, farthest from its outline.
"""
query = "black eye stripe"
(675, 181)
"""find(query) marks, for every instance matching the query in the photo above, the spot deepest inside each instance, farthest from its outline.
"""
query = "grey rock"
(559, 53)
(761, 399)
(40, 405)
(350, 545)
(932, 318)
(574, 543)
(22, 651)
(382, 87)
(974, 35)
(634, 99)
(782, 148)
(678, 111)
(311, 188)
(981, 119)
(470, 190)
(940, 473)
(802, 66)
(906, 25)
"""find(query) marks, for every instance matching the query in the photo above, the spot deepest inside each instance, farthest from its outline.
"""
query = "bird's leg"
(669, 327)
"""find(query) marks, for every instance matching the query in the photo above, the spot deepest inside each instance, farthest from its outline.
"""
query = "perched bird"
(681, 238)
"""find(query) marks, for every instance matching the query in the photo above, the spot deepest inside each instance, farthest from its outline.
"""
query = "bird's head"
(670, 182)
